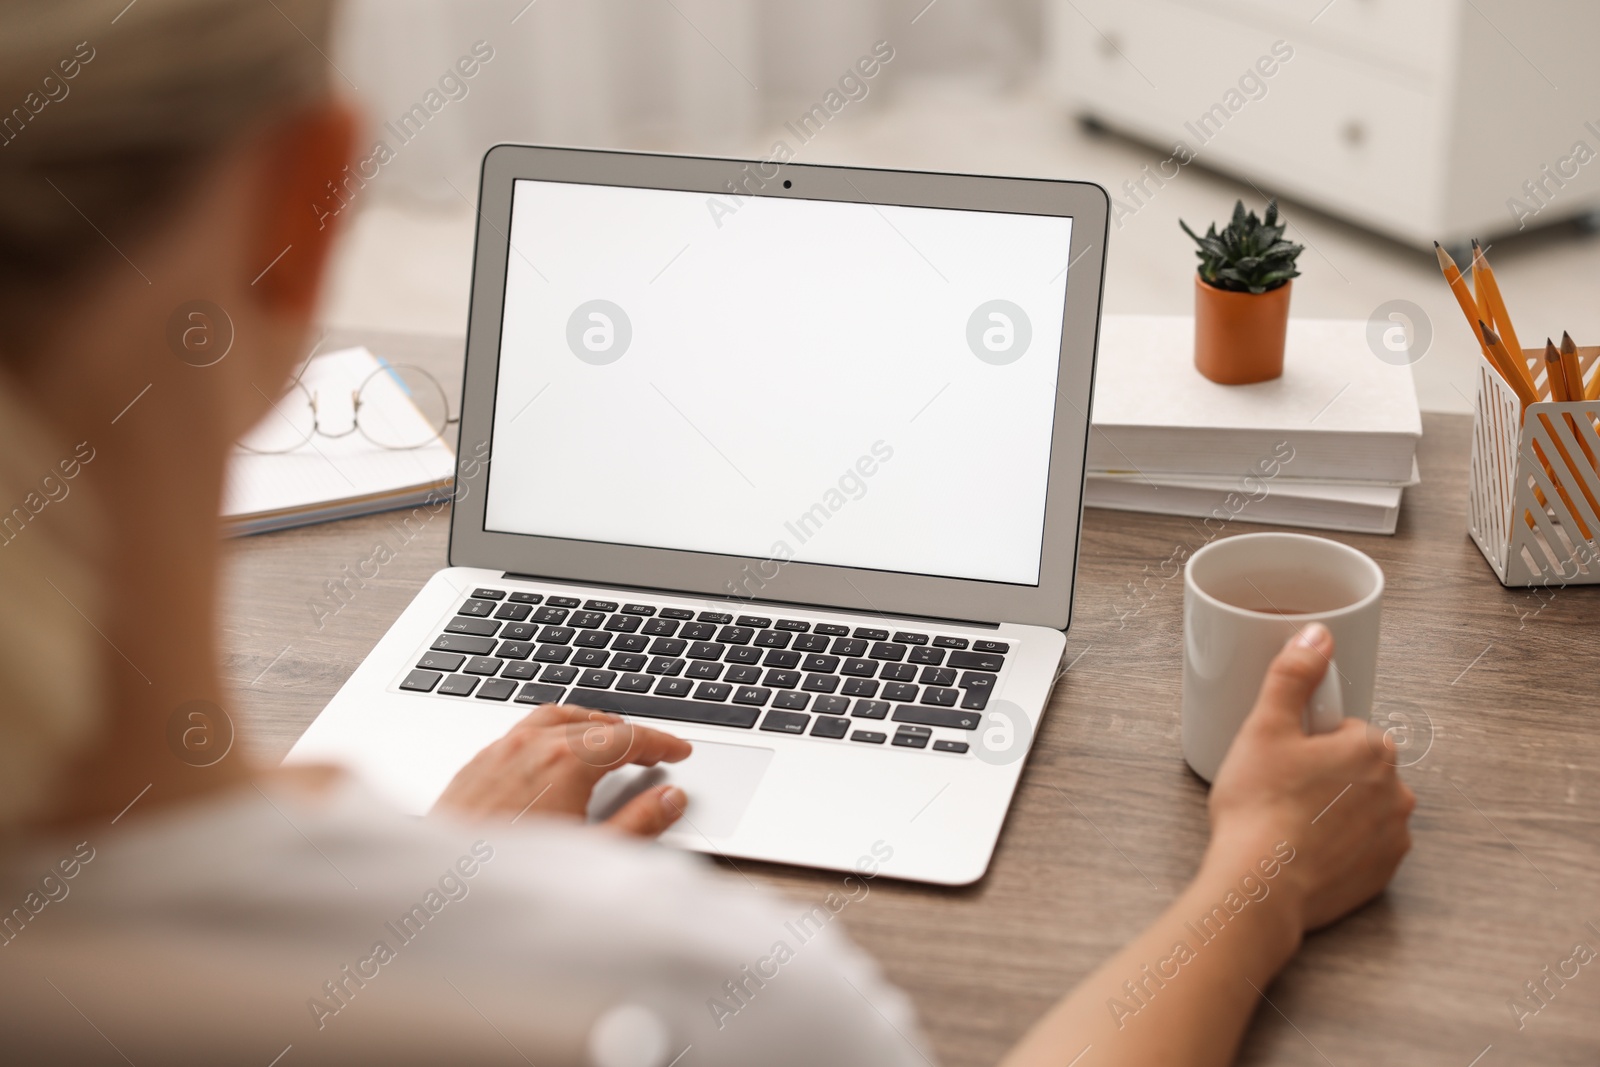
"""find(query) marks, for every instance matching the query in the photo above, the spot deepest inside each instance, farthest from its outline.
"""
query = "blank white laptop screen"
(833, 383)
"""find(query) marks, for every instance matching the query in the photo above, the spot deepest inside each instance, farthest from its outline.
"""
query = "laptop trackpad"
(719, 779)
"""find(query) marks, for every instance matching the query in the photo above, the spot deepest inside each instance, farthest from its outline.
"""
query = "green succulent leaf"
(1249, 255)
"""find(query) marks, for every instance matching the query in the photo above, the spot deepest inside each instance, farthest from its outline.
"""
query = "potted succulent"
(1241, 297)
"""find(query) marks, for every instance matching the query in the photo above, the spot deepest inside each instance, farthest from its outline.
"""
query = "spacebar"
(664, 707)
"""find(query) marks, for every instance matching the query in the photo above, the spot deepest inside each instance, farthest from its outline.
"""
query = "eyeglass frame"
(355, 414)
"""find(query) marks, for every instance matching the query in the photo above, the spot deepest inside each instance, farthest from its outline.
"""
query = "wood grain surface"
(1491, 692)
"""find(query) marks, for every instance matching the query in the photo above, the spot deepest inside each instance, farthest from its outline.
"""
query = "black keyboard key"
(496, 689)
(660, 627)
(704, 670)
(743, 654)
(818, 662)
(552, 653)
(440, 661)
(597, 679)
(793, 625)
(472, 646)
(592, 639)
(638, 609)
(940, 698)
(526, 598)
(991, 646)
(556, 635)
(742, 675)
(698, 650)
(671, 646)
(514, 649)
(668, 665)
(773, 639)
(698, 631)
(606, 606)
(751, 694)
(555, 616)
(911, 639)
(537, 693)
(938, 676)
(476, 608)
(784, 660)
(949, 746)
(785, 722)
(718, 617)
(976, 689)
(590, 657)
(677, 613)
(586, 620)
(483, 665)
(950, 642)
(899, 691)
(782, 680)
(421, 681)
(811, 643)
(758, 622)
(518, 631)
(654, 707)
(871, 737)
(635, 683)
(831, 705)
(631, 643)
(626, 624)
(832, 629)
(829, 726)
(950, 718)
(565, 601)
(978, 661)
(867, 633)
(627, 661)
(488, 594)
(888, 650)
(927, 655)
(791, 701)
(712, 691)
(735, 635)
(514, 612)
(898, 672)
(558, 675)
(911, 740)
(870, 709)
(859, 687)
(457, 685)
(461, 624)
(849, 646)
(821, 683)
(520, 671)
(860, 668)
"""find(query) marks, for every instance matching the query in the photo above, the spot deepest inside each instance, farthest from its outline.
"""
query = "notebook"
(337, 477)
(1343, 506)
(1347, 415)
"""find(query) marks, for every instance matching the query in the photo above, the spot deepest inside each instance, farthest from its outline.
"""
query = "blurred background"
(1381, 124)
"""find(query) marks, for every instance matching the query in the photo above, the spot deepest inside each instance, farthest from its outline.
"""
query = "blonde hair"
(108, 110)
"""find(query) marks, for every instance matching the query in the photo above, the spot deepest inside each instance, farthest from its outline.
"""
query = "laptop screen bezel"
(755, 579)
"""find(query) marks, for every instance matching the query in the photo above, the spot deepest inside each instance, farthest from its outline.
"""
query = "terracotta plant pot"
(1238, 337)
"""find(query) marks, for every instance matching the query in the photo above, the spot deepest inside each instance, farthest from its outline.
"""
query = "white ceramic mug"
(1243, 598)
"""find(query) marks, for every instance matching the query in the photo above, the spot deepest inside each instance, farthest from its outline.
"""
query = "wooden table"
(1493, 689)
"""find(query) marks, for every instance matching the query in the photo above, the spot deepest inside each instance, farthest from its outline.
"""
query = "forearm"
(1182, 992)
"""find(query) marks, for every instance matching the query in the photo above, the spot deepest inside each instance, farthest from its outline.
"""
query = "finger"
(1293, 676)
(602, 746)
(651, 812)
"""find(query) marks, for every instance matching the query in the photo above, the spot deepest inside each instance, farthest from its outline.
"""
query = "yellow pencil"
(1489, 293)
(1503, 362)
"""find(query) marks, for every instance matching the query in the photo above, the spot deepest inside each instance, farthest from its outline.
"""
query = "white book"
(1273, 501)
(338, 477)
(1347, 415)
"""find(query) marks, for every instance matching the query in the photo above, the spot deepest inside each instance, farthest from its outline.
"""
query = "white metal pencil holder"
(1534, 510)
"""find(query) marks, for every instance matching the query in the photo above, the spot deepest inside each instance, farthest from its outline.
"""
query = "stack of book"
(1329, 445)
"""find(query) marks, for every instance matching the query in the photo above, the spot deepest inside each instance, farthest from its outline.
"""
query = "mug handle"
(1325, 710)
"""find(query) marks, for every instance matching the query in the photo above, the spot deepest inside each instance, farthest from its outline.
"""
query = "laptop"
(784, 459)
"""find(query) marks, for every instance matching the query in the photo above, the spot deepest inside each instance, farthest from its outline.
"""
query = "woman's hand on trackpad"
(550, 761)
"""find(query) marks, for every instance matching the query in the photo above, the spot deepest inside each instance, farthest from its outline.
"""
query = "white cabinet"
(1421, 119)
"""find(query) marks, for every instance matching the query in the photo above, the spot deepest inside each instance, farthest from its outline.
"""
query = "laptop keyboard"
(901, 688)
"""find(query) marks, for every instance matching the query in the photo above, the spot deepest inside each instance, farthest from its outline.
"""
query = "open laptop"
(784, 459)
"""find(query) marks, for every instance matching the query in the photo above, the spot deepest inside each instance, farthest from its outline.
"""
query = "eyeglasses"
(399, 406)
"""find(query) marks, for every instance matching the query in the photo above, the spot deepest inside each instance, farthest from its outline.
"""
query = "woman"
(173, 151)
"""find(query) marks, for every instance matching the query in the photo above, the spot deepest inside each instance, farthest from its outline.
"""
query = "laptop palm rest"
(720, 780)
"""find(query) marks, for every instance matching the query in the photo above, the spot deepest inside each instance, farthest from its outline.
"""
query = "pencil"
(1483, 274)
(1555, 374)
(1570, 353)
(1502, 361)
